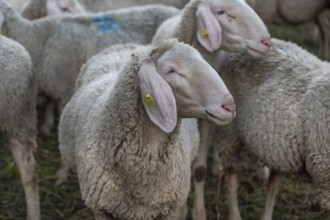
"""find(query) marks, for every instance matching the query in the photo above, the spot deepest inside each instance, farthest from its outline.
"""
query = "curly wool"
(17, 90)
(59, 45)
(282, 113)
(127, 167)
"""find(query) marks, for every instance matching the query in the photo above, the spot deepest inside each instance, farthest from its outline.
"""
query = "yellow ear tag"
(149, 100)
(204, 33)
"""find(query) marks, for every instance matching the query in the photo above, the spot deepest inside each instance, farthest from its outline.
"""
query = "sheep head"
(180, 82)
(58, 7)
(234, 25)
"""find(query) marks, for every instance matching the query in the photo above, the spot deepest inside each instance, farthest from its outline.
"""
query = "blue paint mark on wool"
(105, 23)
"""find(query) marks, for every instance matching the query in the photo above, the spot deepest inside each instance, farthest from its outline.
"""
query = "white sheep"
(124, 131)
(35, 9)
(296, 12)
(18, 116)
(283, 118)
(17, 4)
(210, 26)
(78, 38)
(103, 5)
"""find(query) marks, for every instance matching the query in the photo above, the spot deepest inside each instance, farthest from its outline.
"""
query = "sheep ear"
(208, 28)
(158, 98)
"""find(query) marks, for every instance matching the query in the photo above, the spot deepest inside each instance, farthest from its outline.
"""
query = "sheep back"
(17, 89)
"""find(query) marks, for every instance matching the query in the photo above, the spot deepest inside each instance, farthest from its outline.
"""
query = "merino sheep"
(36, 9)
(18, 116)
(210, 26)
(59, 45)
(102, 5)
(124, 131)
(17, 4)
(283, 117)
(296, 12)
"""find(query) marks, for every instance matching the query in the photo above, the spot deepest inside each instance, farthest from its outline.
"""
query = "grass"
(296, 200)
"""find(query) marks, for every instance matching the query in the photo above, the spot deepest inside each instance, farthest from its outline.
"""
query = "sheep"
(218, 23)
(229, 25)
(125, 131)
(36, 9)
(55, 43)
(17, 4)
(59, 45)
(283, 118)
(102, 5)
(18, 117)
(296, 12)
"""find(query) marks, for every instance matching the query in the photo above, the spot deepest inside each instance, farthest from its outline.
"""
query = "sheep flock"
(164, 109)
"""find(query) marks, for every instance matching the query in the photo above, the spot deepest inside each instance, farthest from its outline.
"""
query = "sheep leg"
(181, 212)
(100, 215)
(231, 194)
(49, 120)
(263, 172)
(199, 171)
(272, 186)
(63, 171)
(321, 22)
(22, 150)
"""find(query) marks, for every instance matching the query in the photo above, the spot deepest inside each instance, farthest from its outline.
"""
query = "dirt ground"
(296, 200)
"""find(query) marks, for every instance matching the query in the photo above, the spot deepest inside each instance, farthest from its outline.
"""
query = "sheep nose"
(229, 104)
(267, 40)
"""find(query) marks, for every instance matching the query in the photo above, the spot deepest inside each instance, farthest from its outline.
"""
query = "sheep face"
(190, 88)
(240, 28)
(58, 7)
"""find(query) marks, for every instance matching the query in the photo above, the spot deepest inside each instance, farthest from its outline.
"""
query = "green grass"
(296, 199)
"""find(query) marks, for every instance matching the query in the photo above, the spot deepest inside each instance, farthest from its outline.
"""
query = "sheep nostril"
(267, 40)
(229, 105)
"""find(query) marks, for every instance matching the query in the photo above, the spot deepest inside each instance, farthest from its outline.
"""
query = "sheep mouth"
(258, 53)
(217, 120)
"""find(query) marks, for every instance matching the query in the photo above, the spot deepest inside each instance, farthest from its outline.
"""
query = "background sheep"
(78, 38)
(18, 116)
(133, 155)
(35, 9)
(17, 4)
(40, 8)
(230, 25)
(296, 12)
(283, 110)
(103, 5)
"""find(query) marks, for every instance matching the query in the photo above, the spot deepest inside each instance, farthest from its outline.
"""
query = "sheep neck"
(133, 133)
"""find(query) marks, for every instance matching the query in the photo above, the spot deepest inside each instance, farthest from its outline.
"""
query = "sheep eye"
(171, 71)
(65, 9)
(220, 12)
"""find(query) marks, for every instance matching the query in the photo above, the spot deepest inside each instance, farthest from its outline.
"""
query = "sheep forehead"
(182, 52)
(228, 4)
